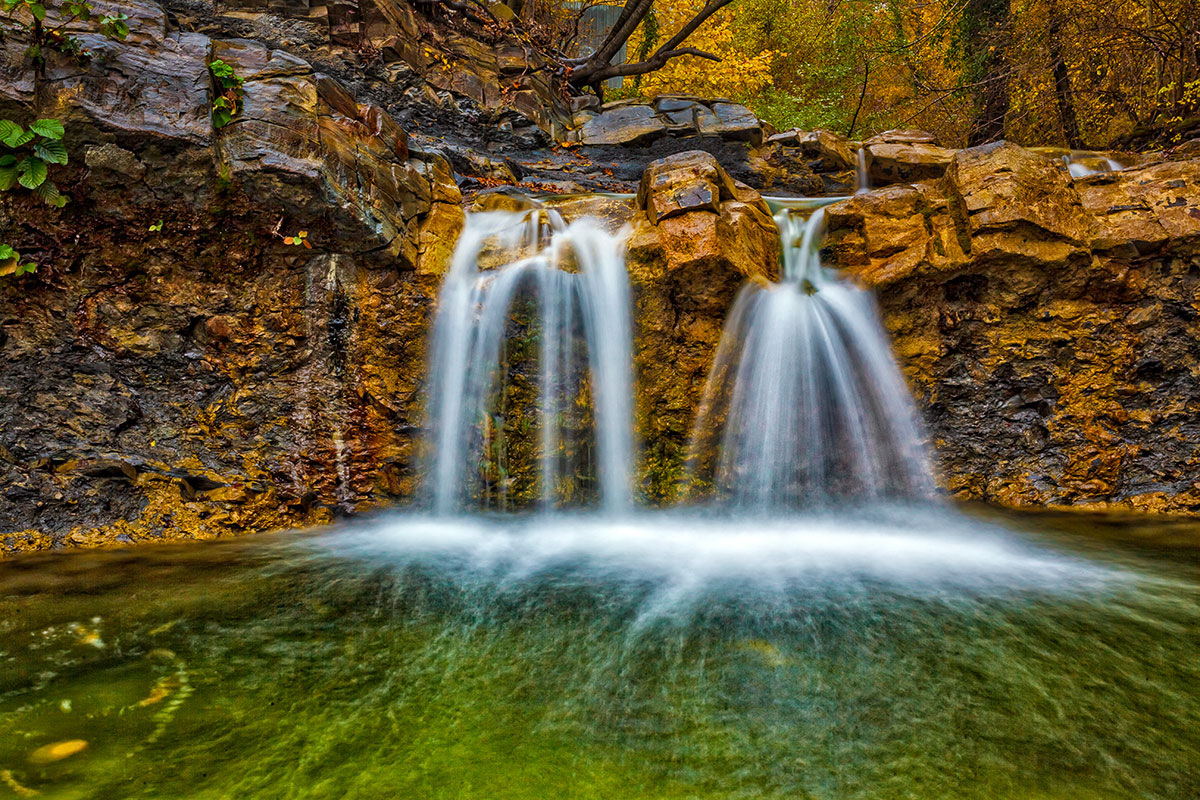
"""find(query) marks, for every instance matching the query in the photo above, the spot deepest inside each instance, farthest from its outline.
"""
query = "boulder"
(627, 125)
(731, 121)
(907, 136)
(899, 162)
(682, 183)
(828, 151)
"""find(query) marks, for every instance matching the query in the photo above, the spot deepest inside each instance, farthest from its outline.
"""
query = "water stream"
(571, 282)
(804, 405)
(833, 634)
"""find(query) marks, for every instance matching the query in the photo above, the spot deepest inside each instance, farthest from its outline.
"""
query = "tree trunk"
(987, 28)
(1063, 94)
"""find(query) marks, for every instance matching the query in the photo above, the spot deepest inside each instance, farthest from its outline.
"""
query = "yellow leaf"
(48, 754)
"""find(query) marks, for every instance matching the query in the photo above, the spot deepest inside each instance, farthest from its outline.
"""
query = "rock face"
(1048, 326)
(209, 378)
(697, 237)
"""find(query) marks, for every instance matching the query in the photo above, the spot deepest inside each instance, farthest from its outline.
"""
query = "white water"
(804, 406)
(1082, 164)
(534, 249)
(862, 179)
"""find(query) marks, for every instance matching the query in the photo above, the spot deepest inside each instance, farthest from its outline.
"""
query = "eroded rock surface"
(208, 377)
(1048, 325)
(697, 237)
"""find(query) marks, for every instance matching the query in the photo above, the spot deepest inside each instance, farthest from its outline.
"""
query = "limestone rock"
(225, 371)
(631, 124)
(686, 268)
(682, 183)
(1043, 323)
(731, 121)
(906, 136)
(896, 162)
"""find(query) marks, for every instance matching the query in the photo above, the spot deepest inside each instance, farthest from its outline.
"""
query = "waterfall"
(570, 284)
(804, 405)
(862, 180)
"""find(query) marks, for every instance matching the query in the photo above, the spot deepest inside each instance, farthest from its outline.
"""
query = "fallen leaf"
(48, 754)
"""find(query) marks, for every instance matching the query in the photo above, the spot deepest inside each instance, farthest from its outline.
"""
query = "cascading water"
(804, 404)
(574, 277)
(862, 179)
(882, 652)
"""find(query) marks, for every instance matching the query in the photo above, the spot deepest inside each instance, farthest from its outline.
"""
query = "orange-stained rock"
(686, 271)
(1047, 326)
(209, 378)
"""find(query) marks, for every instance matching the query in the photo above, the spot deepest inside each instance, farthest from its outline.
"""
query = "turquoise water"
(906, 654)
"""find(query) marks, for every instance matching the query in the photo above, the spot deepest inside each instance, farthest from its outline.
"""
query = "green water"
(667, 659)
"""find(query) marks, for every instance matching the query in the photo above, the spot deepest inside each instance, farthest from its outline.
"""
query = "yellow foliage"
(738, 74)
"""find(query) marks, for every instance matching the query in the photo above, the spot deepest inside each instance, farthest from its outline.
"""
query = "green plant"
(299, 238)
(10, 263)
(26, 156)
(227, 100)
(29, 17)
(156, 227)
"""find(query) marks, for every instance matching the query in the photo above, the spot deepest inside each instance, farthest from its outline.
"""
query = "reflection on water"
(900, 655)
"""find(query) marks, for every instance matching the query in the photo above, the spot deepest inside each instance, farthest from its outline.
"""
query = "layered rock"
(697, 237)
(633, 122)
(177, 369)
(1047, 325)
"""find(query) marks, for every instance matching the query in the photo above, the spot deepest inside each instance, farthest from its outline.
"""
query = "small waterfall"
(805, 405)
(1082, 164)
(862, 180)
(573, 354)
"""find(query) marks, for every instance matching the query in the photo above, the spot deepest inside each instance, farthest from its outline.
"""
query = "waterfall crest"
(804, 405)
(526, 285)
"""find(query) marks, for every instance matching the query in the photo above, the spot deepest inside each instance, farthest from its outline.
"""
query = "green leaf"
(9, 129)
(38, 10)
(8, 178)
(31, 172)
(47, 192)
(13, 134)
(7, 160)
(52, 151)
(23, 269)
(50, 128)
(7, 253)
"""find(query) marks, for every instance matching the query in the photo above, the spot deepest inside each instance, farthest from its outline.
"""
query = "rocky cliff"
(184, 365)
(1048, 324)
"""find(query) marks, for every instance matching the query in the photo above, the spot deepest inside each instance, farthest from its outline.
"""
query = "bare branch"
(597, 68)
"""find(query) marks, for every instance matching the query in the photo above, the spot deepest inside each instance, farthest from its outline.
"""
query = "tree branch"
(597, 68)
(657, 61)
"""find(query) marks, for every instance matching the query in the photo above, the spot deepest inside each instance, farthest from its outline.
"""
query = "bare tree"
(596, 68)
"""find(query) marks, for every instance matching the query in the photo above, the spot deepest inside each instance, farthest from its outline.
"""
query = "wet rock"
(1043, 323)
(731, 121)
(682, 183)
(686, 268)
(906, 136)
(207, 378)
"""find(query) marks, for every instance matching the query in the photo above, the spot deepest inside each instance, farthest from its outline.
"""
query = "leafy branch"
(11, 264)
(27, 155)
(227, 99)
